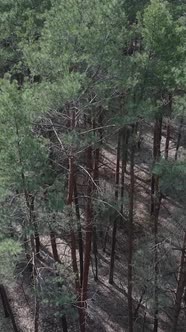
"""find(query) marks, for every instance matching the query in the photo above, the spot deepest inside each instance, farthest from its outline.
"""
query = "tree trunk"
(34, 267)
(156, 155)
(80, 236)
(53, 242)
(95, 187)
(125, 135)
(139, 303)
(96, 166)
(155, 216)
(156, 273)
(7, 308)
(179, 138)
(64, 323)
(144, 322)
(35, 226)
(54, 246)
(88, 236)
(114, 230)
(130, 239)
(139, 136)
(37, 239)
(167, 140)
(106, 238)
(95, 252)
(4, 301)
(72, 233)
(180, 286)
(25, 191)
(168, 127)
(73, 245)
(36, 314)
(101, 129)
(155, 208)
(88, 226)
(26, 246)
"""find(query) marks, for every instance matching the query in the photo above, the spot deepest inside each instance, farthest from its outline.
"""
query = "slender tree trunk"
(114, 230)
(35, 226)
(139, 303)
(72, 233)
(80, 236)
(112, 261)
(123, 168)
(130, 239)
(180, 286)
(95, 252)
(125, 135)
(155, 208)
(57, 259)
(74, 260)
(36, 289)
(126, 150)
(156, 273)
(53, 242)
(26, 246)
(88, 236)
(32, 238)
(37, 238)
(36, 314)
(156, 304)
(25, 191)
(168, 128)
(179, 138)
(95, 187)
(101, 129)
(106, 238)
(70, 199)
(54, 246)
(63, 319)
(53, 236)
(64, 323)
(73, 245)
(167, 140)
(96, 166)
(7, 308)
(139, 136)
(4, 300)
(155, 139)
(144, 321)
(88, 226)
(156, 155)
(155, 217)
(34, 262)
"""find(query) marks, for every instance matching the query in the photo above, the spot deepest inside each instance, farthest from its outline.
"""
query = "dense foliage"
(83, 86)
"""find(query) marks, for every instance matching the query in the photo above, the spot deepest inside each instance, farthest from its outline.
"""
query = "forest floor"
(107, 304)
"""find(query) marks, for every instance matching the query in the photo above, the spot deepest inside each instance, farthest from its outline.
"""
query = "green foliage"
(20, 22)
(172, 178)
(55, 196)
(163, 41)
(78, 46)
(9, 251)
(159, 30)
(57, 294)
(22, 152)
